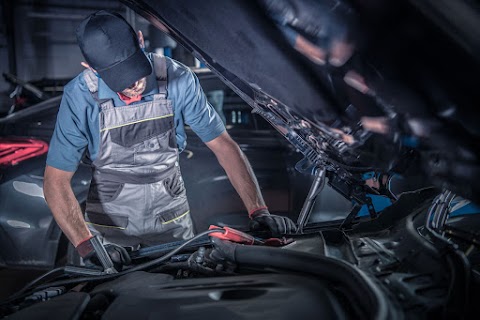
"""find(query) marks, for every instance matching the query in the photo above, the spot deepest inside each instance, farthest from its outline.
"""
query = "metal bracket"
(361, 199)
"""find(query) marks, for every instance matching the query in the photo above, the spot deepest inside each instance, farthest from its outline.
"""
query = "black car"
(28, 233)
(366, 91)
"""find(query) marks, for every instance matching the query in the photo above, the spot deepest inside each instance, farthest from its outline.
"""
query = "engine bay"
(397, 266)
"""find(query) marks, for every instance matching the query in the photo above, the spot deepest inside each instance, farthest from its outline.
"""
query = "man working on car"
(128, 110)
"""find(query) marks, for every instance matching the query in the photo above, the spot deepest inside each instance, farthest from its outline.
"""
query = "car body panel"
(28, 232)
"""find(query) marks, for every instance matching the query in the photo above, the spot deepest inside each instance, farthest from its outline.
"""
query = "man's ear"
(141, 40)
(86, 65)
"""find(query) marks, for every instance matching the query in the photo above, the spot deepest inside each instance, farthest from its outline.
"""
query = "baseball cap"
(110, 46)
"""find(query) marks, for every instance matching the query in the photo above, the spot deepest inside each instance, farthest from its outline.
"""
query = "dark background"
(37, 39)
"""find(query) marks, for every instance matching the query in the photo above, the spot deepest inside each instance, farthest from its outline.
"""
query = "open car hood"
(403, 101)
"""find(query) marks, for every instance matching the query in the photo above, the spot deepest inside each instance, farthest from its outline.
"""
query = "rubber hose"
(331, 269)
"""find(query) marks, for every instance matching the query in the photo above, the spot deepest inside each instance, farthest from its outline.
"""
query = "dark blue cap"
(110, 46)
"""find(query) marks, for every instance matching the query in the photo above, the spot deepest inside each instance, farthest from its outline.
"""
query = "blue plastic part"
(368, 175)
(410, 141)
(379, 204)
(167, 52)
(465, 209)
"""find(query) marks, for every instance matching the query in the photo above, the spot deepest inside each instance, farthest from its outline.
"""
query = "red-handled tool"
(232, 235)
(277, 242)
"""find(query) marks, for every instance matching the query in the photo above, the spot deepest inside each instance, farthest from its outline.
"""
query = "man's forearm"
(243, 179)
(64, 206)
(239, 172)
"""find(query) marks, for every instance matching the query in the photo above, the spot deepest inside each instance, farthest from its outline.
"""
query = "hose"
(143, 266)
(359, 284)
(40, 279)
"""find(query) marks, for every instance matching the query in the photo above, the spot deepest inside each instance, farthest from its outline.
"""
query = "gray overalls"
(137, 196)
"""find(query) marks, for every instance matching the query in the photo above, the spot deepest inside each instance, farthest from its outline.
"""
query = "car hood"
(393, 104)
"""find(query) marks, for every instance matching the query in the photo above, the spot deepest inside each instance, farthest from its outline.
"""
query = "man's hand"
(117, 254)
(278, 225)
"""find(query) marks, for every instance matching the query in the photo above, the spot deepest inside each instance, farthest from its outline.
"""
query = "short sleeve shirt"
(77, 127)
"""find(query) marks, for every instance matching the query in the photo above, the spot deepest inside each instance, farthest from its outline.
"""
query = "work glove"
(117, 254)
(278, 225)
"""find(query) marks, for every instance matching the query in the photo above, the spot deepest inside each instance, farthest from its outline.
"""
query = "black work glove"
(278, 225)
(117, 254)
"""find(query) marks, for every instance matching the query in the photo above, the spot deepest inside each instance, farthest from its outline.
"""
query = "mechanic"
(127, 112)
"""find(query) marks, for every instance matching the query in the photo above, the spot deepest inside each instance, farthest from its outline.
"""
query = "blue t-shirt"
(77, 126)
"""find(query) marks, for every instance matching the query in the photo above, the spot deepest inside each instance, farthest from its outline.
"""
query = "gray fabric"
(77, 129)
(160, 65)
(123, 209)
(92, 83)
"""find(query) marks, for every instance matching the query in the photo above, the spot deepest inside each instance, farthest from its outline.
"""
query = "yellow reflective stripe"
(180, 216)
(104, 226)
(127, 124)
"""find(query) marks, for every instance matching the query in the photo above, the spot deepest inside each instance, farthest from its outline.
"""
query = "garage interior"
(39, 47)
(38, 39)
(375, 160)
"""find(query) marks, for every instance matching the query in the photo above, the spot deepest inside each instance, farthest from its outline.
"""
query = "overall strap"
(92, 83)
(160, 65)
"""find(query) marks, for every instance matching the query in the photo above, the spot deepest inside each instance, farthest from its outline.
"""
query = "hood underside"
(402, 98)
